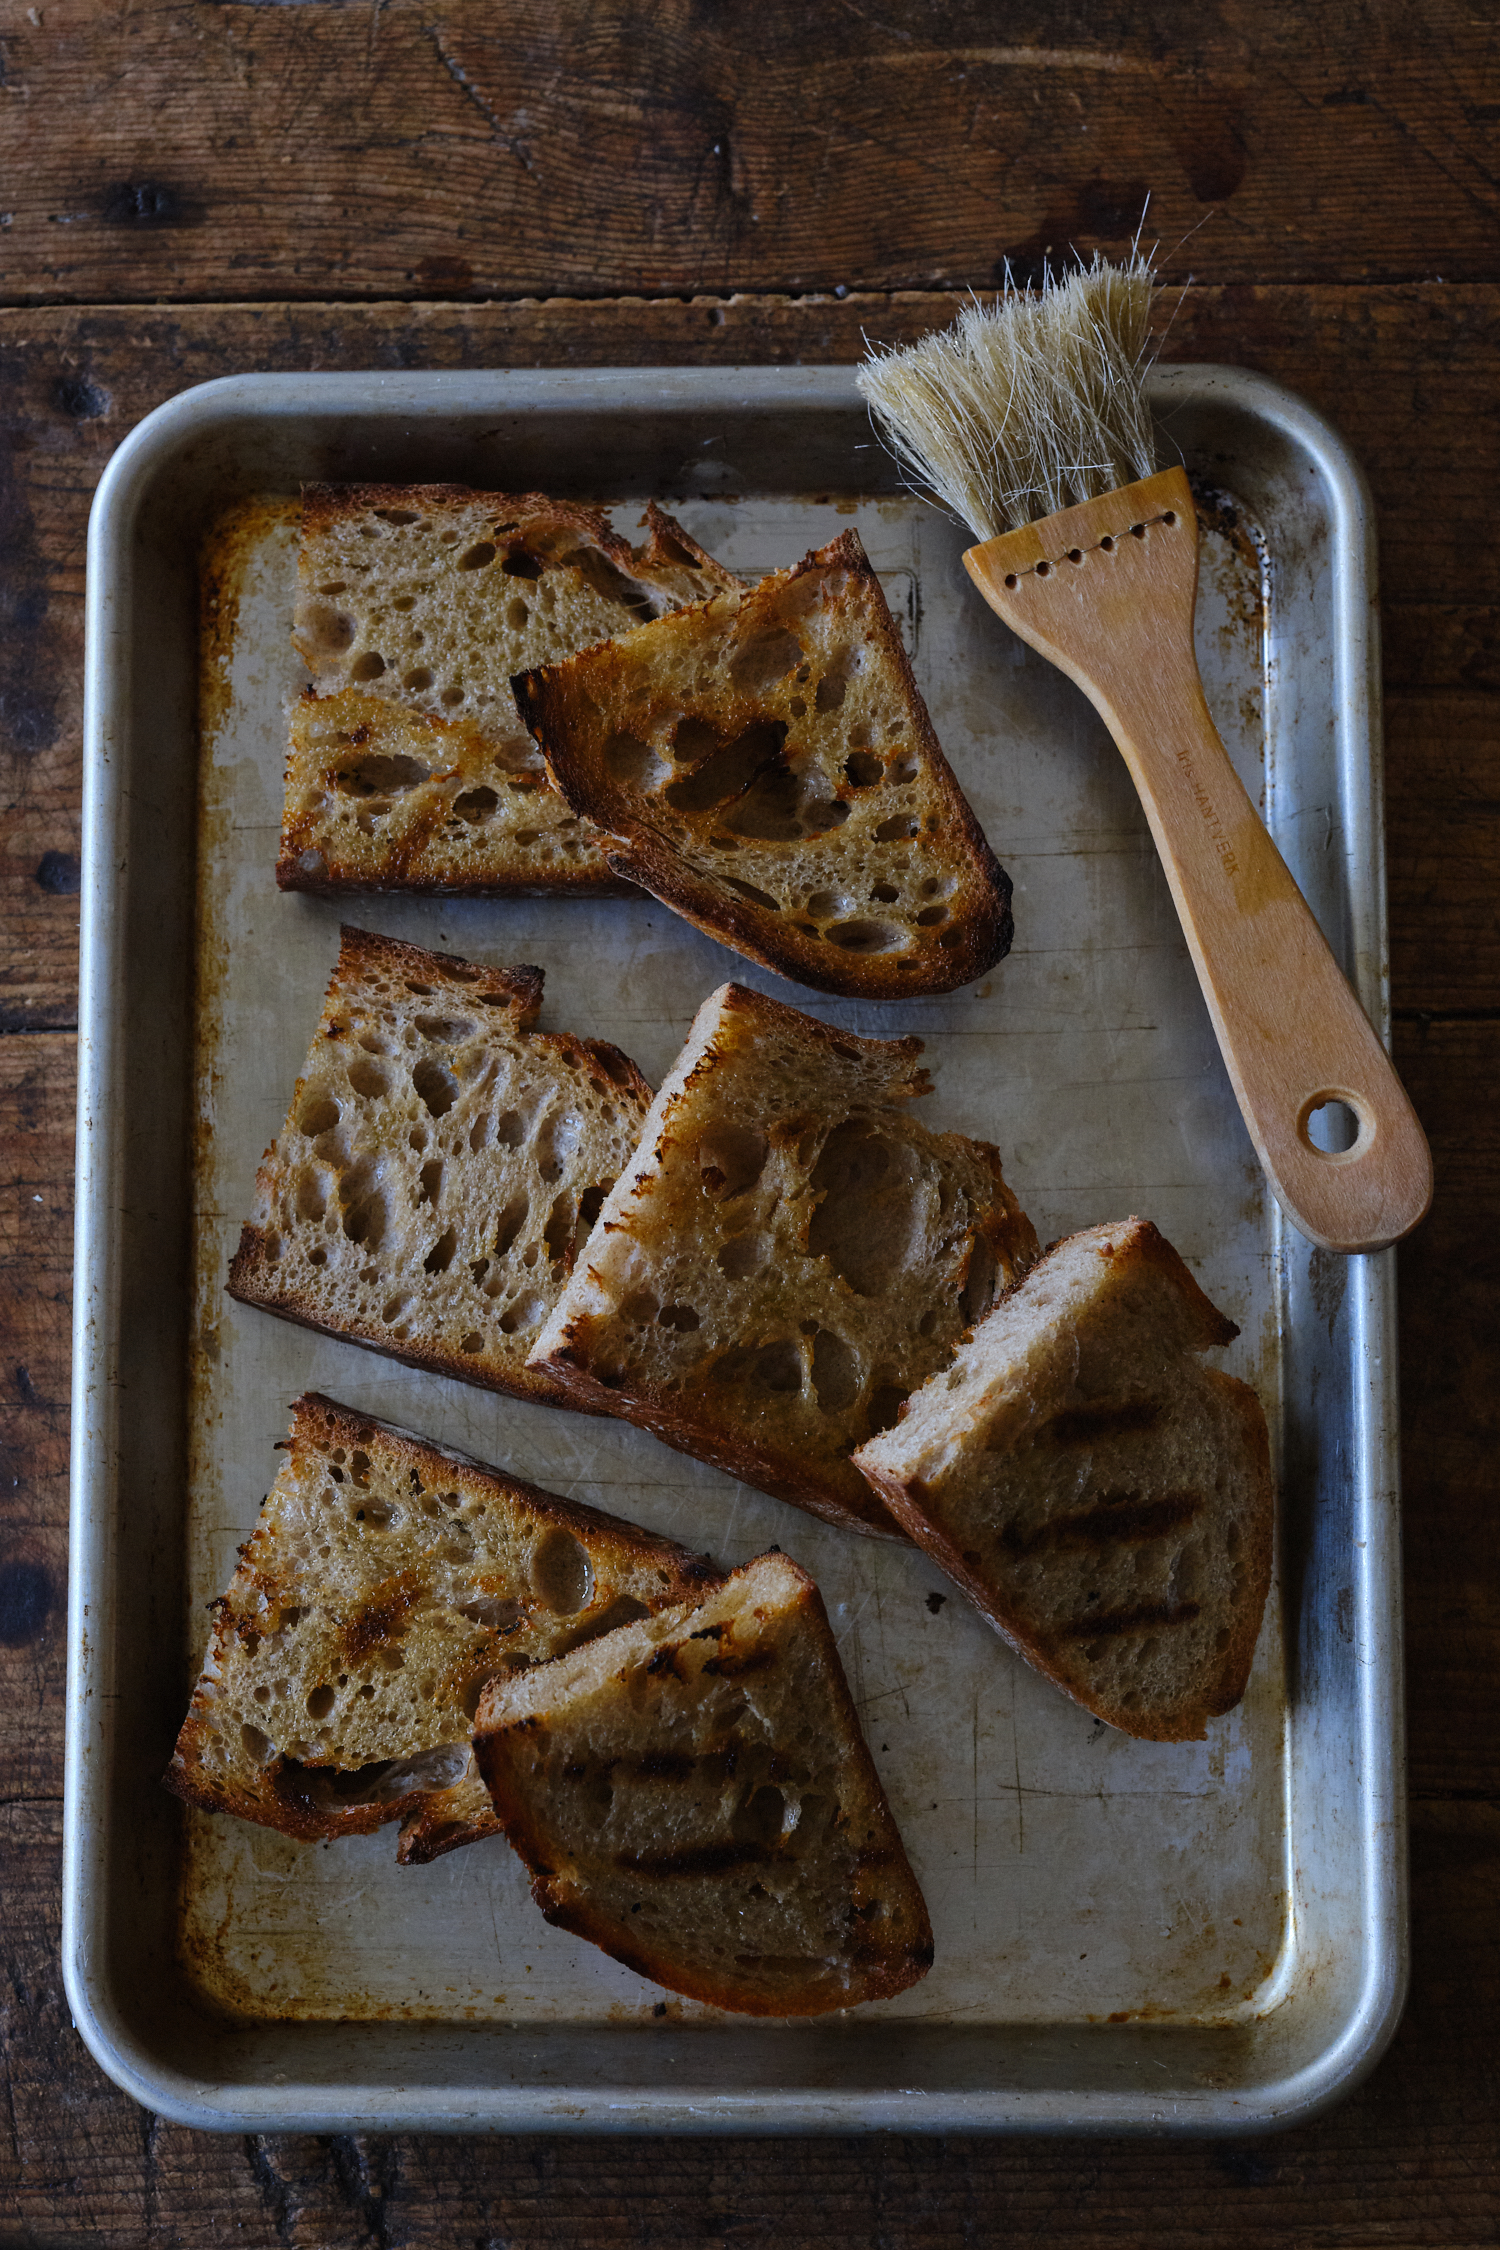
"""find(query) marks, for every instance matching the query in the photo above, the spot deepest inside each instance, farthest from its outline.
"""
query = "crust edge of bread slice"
(668, 566)
(639, 854)
(427, 1829)
(568, 1906)
(910, 1500)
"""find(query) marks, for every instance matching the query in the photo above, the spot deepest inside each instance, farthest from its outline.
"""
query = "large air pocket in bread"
(789, 1253)
(764, 763)
(441, 1163)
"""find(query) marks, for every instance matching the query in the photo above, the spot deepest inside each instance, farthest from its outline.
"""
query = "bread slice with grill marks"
(764, 763)
(1103, 1498)
(408, 767)
(386, 1581)
(441, 1164)
(788, 1254)
(693, 1794)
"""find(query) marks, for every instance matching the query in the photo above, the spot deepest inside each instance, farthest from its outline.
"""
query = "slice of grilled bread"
(440, 1165)
(788, 1254)
(764, 763)
(387, 1580)
(1104, 1498)
(408, 768)
(693, 1794)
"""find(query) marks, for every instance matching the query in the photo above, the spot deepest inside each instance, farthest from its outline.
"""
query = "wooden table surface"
(198, 188)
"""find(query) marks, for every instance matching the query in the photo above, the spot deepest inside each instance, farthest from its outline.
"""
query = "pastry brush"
(1029, 420)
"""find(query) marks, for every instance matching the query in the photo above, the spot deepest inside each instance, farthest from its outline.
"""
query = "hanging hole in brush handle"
(1294, 1038)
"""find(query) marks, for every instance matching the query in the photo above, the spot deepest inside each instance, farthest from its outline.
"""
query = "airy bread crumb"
(440, 1166)
(408, 768)
(386, 1582)
(788, 1255)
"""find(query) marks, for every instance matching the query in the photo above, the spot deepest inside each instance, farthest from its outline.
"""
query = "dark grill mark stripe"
(1101, 1418)
(1115, 1623)
(665, 1765)
(701, 1859)
(1118, 1519)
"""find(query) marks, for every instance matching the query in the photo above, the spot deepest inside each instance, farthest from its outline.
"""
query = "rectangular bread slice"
(440, 1165)
(788, 1255)
(1102, 1497)
(386, 1582)
(693, 1794)
(764, 763)
(408, 768)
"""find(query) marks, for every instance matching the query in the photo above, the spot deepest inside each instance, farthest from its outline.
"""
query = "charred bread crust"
(285, 1798)
(671, 543)
(251, 1282)
(560, 704)
(565, 1900)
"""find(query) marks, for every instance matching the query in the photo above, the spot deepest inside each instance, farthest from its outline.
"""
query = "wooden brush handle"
(1107, 592)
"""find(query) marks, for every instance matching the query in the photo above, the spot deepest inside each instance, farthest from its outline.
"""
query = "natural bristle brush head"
(1027, 406)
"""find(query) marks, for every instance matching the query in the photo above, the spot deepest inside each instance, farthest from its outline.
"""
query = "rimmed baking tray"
(1130, 1936)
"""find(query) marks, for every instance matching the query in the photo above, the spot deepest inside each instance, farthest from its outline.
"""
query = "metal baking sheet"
(1129, 1935)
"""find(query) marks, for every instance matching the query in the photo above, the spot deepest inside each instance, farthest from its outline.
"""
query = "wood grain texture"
(418, 148)
(36, 1260)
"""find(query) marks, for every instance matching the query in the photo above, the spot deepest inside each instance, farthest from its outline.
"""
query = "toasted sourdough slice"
(788, 1254)
(440, 1165)
(693, 1794)
(408, 768)
(1103, 1498)
(387, 1580)
(765, 764)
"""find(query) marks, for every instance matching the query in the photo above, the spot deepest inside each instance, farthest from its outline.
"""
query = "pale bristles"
(1027, 406)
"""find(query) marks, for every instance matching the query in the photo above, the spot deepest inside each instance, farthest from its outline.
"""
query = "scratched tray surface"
(1073, 1875)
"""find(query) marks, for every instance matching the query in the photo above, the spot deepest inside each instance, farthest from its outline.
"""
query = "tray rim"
(191, 418)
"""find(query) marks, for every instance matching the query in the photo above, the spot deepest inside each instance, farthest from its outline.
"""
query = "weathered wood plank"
(37, 1080)
(1443, 849)
(1450, 1414)
(1408, 372)
(509, 146)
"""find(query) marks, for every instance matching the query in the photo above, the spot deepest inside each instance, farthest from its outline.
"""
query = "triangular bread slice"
(440, 1165)
(693, 1794)
(386, 1581)
(408, 768)
(1102, 1497)
(764, 763)
(788, 1255)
